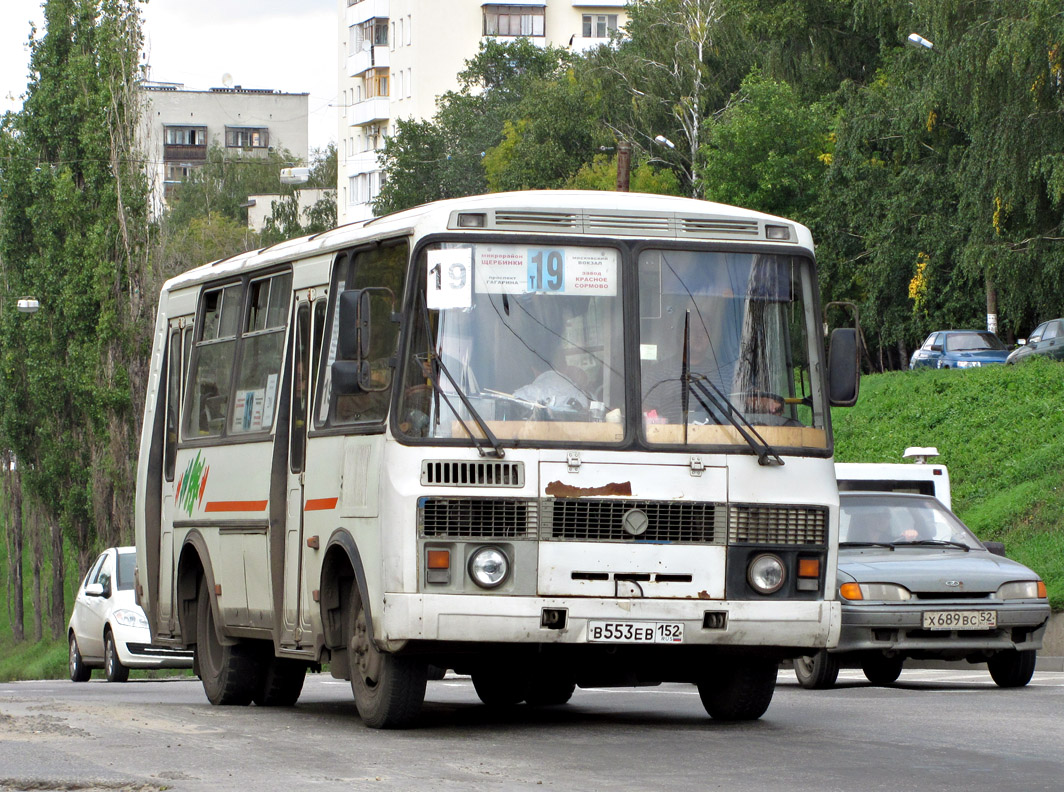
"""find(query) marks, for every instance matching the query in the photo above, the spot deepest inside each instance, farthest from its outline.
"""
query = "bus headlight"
(489, 567)
(766, 573)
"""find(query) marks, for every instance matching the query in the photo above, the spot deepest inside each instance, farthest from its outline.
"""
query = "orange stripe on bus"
(320, 504)
(235, 506)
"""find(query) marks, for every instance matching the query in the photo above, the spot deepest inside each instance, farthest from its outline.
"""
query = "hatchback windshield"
(900, 519)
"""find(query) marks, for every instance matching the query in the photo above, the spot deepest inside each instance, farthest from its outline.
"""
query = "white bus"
(546, 439)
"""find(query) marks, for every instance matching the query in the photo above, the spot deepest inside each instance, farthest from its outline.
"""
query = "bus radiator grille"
(490, 518)
(784, 525)
(603, 520)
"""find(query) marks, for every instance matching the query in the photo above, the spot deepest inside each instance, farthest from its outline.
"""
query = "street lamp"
(664, 141)
(28, 305)
(919, 41)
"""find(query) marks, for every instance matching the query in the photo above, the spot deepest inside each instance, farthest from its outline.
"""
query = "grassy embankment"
(1000, 431)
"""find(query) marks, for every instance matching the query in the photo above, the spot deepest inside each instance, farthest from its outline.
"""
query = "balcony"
(173, 152)
(367, 9)
(369, 111)
(373, 58)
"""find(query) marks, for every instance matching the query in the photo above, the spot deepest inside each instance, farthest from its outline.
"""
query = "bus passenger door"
(292, 633)
(174, 380)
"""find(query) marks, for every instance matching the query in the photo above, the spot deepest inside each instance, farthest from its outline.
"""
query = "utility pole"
(624, 164)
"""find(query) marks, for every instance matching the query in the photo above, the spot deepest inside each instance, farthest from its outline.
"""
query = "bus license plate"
(960, 620)
(634, 632)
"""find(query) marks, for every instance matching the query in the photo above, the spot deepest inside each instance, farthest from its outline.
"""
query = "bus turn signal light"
(850, 591)
(439, 559)
(809, 567)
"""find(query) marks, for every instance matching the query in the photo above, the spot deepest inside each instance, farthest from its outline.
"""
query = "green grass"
(1000, 431)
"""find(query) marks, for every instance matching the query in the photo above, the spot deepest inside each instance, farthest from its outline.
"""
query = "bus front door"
(293, 631)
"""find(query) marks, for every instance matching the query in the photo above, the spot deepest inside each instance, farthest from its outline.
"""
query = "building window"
(376, 81)
(599, 25)
(373, 32)
(513, 20)
(247, 137)
(399, 85)
(409, 81)
(185, 135)
(178, 171)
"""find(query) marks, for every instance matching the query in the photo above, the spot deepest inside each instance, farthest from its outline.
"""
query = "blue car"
(959, 349)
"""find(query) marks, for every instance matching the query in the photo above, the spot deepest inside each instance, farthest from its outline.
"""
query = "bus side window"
(210, 376)
(173, 404)
(262, 349)
(317, 335)
(186, 357)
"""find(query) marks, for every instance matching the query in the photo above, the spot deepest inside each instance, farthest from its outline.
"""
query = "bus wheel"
(817, 672)
(880, 669)
(739, 691)
(499, 688)
(230, 674)
(550, 691)
(282, 682)
(389, 690)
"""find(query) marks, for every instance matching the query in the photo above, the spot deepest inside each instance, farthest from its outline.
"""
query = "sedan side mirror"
(996, 548)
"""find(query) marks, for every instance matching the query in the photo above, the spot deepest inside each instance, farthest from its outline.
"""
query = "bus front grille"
(486, 518)
(604, 520)
(786, 525)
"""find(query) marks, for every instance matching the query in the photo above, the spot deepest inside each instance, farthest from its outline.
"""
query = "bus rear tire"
(282, 682)
(817, 672)
(231, 674)
(389, 690)
(739, 691)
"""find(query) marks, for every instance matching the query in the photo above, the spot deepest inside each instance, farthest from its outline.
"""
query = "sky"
(285, 45)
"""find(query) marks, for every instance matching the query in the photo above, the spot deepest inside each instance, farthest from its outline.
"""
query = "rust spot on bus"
(558, 489)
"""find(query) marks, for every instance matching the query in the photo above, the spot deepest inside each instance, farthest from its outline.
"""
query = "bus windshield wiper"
(707, 391)
(934, 543)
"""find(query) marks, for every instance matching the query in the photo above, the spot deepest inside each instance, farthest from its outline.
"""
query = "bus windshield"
(725, 335)
(531, 335)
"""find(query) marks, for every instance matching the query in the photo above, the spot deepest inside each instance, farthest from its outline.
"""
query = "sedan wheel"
(112, 666)
(817, 672)
(1012, 668)
(79, 672)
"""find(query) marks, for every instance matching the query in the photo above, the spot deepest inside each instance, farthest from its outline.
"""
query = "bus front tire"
(818, 671)
(389, 690)
(282, 681)
(739, 691)
(231, 674)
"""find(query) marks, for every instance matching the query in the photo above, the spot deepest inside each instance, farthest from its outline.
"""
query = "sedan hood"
(921, 569)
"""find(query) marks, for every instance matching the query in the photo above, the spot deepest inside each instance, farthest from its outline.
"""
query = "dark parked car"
(959, 349)
(1046, 339)
(916, 583)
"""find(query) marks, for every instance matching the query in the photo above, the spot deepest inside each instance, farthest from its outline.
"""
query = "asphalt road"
(948, 730)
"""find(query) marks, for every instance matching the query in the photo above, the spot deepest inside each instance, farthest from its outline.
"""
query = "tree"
(73, 233)
(286, 221)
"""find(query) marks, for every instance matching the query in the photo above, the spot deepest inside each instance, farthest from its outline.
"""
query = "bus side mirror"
(844, 372)
(351, 371)
(997, 548)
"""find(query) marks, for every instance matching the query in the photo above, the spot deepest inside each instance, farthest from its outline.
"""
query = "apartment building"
(398, 56)
(181, 125)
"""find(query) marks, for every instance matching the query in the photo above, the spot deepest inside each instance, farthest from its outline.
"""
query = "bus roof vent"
(642, 225)
(471, 473)
(718, 228)
(530, 220)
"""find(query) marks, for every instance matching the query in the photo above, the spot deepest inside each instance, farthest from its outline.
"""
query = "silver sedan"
(916, 583)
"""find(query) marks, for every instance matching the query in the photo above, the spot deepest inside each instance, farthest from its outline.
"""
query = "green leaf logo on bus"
(191, 484)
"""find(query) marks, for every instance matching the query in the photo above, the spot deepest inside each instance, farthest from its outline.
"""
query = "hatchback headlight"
(1022, 589)
(880, 592)
(766, 573)
(489, 567)
(129, 618)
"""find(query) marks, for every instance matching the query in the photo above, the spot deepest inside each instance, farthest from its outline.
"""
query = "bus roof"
(584, 212)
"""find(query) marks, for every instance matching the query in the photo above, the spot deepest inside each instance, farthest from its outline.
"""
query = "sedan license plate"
(960, 620)
(634, 632)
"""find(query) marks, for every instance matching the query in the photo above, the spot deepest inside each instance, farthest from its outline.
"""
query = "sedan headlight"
(1022, 589)
(489, 567)
(129, 618)
(766, 573)
(880, 592)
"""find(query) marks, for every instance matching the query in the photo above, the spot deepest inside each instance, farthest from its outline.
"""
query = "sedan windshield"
(972, 342)
(521, 340)
(726, 334)
(900, 520)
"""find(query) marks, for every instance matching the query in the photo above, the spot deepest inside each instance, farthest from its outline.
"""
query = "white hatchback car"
(108, 629)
